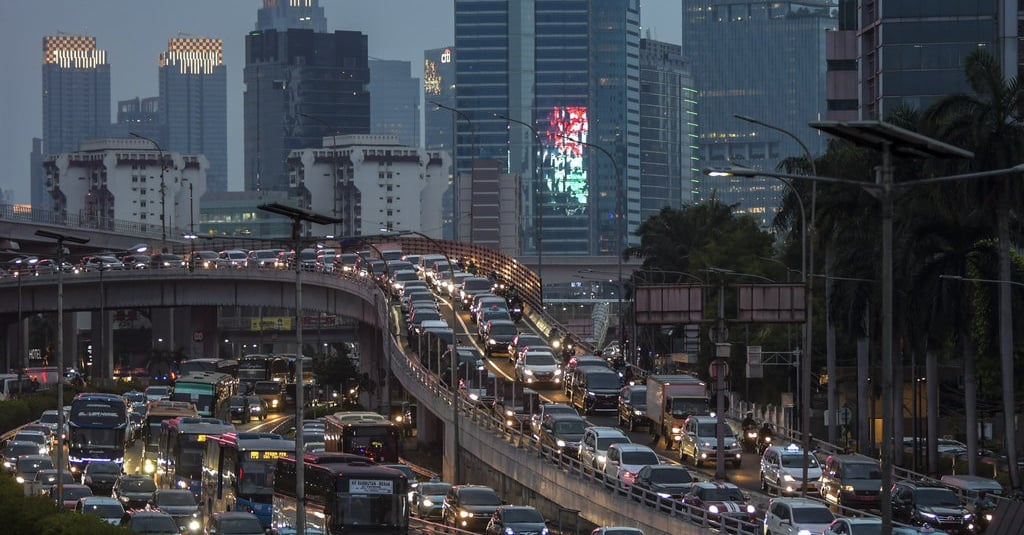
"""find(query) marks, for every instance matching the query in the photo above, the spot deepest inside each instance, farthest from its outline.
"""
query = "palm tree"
(989, 122)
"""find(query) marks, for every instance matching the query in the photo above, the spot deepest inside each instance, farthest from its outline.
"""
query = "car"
(547, 410)
(595, 390)
(633, 407)
(134, 490)
(166, 261)
(105, 507)
(516, 520)
(617, 530)
(426, 499)
(406, 470)
(561, 434)
(231, 258)
(234, 523)
(179, 503)
(793, 516)
(26, 467)
(497, 335)
(624, 462)
(151, 523)
(101, 263)
(664, 482)
(782, 470)
(469, 507)
(46, 430)
(203, 259)
(699, 442)
(851, 481)
(538, 367)
(492, 312)
(158, 392)
(238, 409)
(594, 446)
(17, 448)
(70, 495)
(925, 502)
(100, 476)
(581, 361)
(261, 259)
(41, 439)
(258, 408)
(525, 340)
(50, 418)
(723, 503)
(870, 525)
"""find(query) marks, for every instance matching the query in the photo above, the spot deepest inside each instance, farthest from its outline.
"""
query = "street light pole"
(538, 200)
(472, 172)
(163, 191)
(61, 239)
(298, 215)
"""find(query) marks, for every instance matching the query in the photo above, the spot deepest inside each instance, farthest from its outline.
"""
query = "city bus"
(209, 391)
(348, 497)
(380, 441)
(228, 366)
(156, 413)
(238, 472)
(97, 429)
(182, 445)
(261, 367)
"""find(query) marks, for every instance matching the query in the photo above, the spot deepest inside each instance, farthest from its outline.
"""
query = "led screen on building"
(565, 173)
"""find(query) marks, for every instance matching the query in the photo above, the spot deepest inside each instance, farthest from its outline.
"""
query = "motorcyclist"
(750, 432)
(765, 436)
(748, 421)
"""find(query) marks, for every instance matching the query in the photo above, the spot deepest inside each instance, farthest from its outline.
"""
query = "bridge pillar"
(203, 332)
(163, 329)
(373, 367)
(16, 357)
(102, 343)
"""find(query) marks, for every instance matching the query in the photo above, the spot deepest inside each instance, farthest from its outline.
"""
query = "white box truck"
(670, 400)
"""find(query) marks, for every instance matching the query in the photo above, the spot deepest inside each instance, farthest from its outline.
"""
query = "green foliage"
(335, 368)
(38, 515)
(17, 412)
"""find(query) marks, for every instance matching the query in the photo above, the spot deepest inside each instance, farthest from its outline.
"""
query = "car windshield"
(559, 409)
(862, 471)
(480, 497)
(539, 359)
(602, 443)
(502, 329)
(638, 397)
(17, 449)
(236, 402)
(711, 430)
(571, 427)
(138, 484)
(29, 465)
(229, 526)
(153, 524)
(812, 515)
(266, 254)
(523, 515)
(671, 476)
(236, 255)
(434, 489)
(49, 417)
(603, 381)
(103, 468)
(103, 510)
(176, 498)
(936, 497)
(639, 457)
(723, 495)
(797, 461)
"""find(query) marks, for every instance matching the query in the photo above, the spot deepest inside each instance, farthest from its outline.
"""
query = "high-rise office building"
(668, 129)
(283, 15)
(570, 70)
(893, 53)
(193, 103)
(764, 59)
(300, 86)
(394, 101)
(439, 123)
(76, 96)
(138, 116)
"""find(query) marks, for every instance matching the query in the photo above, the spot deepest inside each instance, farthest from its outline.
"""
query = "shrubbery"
(38, 515)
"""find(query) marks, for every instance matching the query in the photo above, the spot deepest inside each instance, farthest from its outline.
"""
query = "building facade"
(394, 101)
(282, 15)
(193, 103)
(438, 122)
(76, 96)
(236, 214)
(371, 183)
(669, 173)
(552, 89)
(300, 86)
(764, 59)
(128, 180)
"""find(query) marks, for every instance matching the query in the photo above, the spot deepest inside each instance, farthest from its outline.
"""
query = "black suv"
(595, 390)
(469, 507)
(919, 503)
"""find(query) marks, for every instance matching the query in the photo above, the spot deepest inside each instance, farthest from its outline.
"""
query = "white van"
(968, 487)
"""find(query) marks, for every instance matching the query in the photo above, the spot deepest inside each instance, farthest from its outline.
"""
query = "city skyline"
(133, 40)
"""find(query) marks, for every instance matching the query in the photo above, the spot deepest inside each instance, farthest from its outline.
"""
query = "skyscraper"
(282, 15)
(668, 129)
(76, 96)
(764, 59)
(394, 101)
(570, 69)
(299, 87)
(439, 123)
(193, 103)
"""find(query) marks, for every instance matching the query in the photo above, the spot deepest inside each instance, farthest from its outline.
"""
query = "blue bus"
(209, 391)
(238, 472)
(181, 449)
(343, 496)
(97, 429)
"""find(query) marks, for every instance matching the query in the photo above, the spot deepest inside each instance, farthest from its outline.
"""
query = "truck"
(671, 399)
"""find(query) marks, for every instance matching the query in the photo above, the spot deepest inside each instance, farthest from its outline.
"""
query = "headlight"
(274, 403)
(43, 451)
(149, 467)
(560, 443)
(182, 484)
(967, 516)
(558, 372)
(492, 341)
(20, 479)
(428, 502)
(193, 525)
(7, 464)
(664, 495)
(988, 517)
(713, 509)
(601, 459)
(751, 510)
(928, 515)
(527, 371)
(638, 412)
(510, 531)
(510, 412)
(676, 430)
(465, 514)
(849, 488)
(788, 478)
(804, 532)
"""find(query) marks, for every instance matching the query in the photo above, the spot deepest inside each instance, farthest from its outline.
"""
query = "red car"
(719, 499)
(72, 493)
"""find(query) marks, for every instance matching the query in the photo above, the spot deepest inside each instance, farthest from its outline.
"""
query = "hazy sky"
(134, 32)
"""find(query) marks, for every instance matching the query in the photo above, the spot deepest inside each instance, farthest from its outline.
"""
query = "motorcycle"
(764, 441)
(516, 312)
(750, 434)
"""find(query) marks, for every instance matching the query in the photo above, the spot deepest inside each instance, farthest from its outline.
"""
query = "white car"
(623, 461)
(594, 446)
(782, 468)
(796, 516)
(538, 367)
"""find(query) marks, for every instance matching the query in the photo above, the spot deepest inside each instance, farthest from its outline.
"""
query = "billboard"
(565, 172)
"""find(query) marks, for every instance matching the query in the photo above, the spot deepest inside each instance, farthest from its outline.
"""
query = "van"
(968, 487)
(851, 481)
